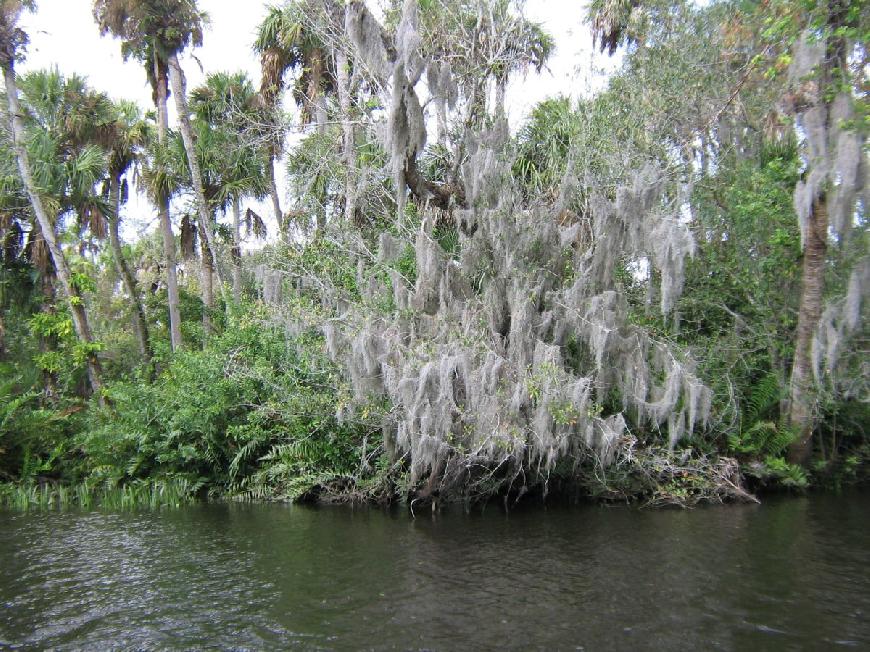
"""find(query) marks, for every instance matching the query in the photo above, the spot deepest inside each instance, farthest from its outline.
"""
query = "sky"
(63, 33)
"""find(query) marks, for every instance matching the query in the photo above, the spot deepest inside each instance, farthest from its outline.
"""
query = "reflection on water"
(789, 574)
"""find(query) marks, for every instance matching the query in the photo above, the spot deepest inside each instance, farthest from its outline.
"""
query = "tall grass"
(138, 494)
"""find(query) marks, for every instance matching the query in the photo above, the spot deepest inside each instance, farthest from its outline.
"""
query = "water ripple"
(790, 574)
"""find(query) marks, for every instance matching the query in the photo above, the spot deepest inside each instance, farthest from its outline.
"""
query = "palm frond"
(254, 224)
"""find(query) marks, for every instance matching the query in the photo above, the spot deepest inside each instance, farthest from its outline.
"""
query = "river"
(790, 574)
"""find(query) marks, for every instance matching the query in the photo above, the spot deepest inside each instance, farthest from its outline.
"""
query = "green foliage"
(751, 252)
(761, 438)
(250, 412)
(406, 264)
(789, 476)
(544, 143)
(82, 282)
(764, 396)
(249, 408)
(34, 439)
(315, 172)
(52, 324)
(63, 355)
(152, 494)
(447, 237)
(739, 304)
(324, 259)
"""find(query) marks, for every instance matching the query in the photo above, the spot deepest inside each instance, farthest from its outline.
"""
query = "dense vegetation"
(653, 292)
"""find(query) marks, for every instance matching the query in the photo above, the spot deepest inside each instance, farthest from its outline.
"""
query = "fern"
(763, 397)
(762, 438)
(760, 435)
(299, 451)
(779, 440)
(242, 455)
(11, 407)
(787, 475)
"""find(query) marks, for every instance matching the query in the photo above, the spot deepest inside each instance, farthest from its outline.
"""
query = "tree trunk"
(163, 215)
(176, 78)
(237, 251)
(803, 399)
(316, 98)
(207, 286)
(273, 192)
(802, 403)
(76, 304)
(500, 89)
(140, 324)
(344, 101)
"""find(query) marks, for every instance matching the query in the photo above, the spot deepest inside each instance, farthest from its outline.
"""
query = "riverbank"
(647, 478)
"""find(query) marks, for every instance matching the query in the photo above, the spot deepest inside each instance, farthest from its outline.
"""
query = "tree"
(614, 22)
(149, 30)
(545, 363)
(820, 46)
(12, 42)
(232, 161)
(287, 39)
(156, 31)
(274, 43)
(825, 199)
(464, 49)
(15, 221)
(290, 38)
(126, 136)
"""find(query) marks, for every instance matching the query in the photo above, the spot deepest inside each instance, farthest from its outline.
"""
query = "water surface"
(789, 574)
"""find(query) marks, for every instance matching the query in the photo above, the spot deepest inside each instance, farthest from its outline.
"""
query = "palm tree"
(161, 176)
(274, 43)
(66, 123)
(12, 40)
(126, 135)
(150, 30)
(155, 31)
(87, 125)
(226, 123)
(284, 42)
(613, 23)
(179, 90)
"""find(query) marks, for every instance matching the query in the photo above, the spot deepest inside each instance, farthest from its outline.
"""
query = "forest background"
(653, 291)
